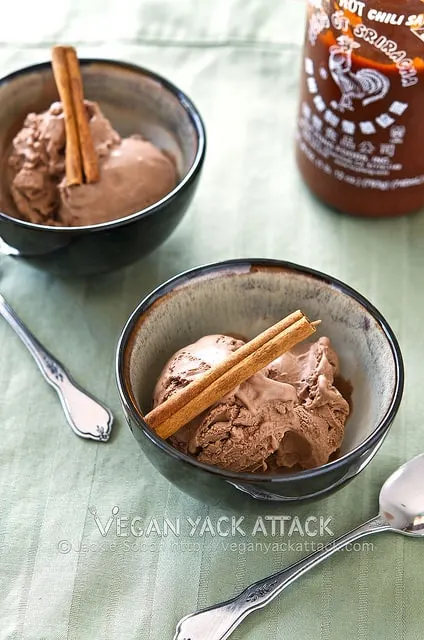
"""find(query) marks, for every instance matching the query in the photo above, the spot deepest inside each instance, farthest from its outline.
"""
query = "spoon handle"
(85, 415)
(219, 621)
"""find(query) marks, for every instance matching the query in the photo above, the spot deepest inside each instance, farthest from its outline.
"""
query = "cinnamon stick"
(73, 161)
(162, 412)
(81, 159)
(169, 417)
(90, 162)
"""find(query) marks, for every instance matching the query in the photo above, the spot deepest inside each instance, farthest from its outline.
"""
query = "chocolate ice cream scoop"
(134, 173)
(288, 415)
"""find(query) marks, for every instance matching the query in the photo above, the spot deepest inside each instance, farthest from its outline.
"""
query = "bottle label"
(355, 112)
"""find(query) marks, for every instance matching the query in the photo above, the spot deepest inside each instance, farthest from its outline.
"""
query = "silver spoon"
(401, 511)
(86, 416)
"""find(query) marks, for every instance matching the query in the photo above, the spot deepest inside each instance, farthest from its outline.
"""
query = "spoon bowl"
(402, 498)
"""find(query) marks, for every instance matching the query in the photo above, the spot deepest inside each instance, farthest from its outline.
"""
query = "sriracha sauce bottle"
(360, 134)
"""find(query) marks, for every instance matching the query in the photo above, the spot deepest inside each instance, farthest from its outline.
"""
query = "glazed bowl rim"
(234, 265)
(187, 104)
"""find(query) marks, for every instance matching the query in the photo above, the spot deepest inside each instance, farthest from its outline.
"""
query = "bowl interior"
(134, 102)
(247, 300)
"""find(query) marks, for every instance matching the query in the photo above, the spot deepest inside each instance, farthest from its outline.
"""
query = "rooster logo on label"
(367, 85)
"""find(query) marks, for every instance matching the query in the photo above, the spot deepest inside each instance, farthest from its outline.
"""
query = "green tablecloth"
(60, 578)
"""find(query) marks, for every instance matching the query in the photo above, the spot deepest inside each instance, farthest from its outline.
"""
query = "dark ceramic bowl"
(245, 297)
(136, 101)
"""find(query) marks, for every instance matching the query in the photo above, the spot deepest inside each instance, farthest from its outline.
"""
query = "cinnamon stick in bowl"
(202, 393)
(73, 161)
(81, 158)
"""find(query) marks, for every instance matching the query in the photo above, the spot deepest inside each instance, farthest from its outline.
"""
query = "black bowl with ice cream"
(248, 296)
(136, 101)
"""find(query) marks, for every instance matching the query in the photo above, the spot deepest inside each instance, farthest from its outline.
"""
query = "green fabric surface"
(238, 60)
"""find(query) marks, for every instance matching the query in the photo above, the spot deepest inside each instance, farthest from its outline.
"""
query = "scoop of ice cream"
(133, 172)
(37, 164)
(134, 175)
(288, 415)
(191, 361)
